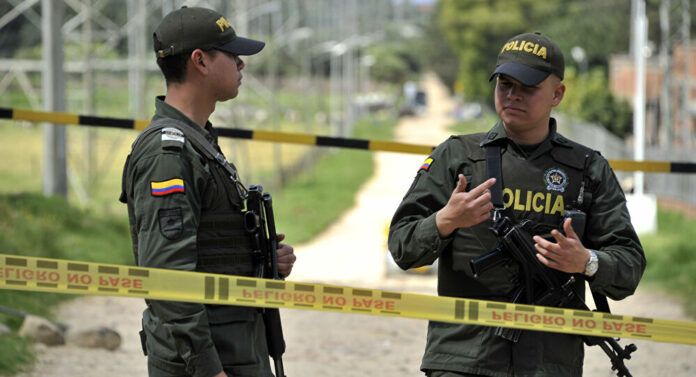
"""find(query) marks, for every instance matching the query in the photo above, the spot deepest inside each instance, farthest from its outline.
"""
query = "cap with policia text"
(529, 58)
(187, 29)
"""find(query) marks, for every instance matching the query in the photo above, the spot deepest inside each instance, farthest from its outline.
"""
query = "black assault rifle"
(541, 285)
(260, 224)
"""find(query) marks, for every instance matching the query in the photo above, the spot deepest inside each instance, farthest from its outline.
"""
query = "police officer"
(446, 214)
(185, 208)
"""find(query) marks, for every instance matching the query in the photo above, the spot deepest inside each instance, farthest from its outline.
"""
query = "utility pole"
(686, 82)
(640, 31)
(666, 50)
(55, 181)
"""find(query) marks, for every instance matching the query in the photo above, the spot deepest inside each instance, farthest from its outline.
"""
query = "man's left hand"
(567, 254)
(286, 257)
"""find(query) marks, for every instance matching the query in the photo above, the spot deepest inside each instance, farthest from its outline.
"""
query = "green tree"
(476, 30)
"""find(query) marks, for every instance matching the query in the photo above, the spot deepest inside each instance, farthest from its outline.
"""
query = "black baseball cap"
(187, 29)
(529, 58)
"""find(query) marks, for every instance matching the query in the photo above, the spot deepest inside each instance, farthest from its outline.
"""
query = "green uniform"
(538, 184)
(186, 214)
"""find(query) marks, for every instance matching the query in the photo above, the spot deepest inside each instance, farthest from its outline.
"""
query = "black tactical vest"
(538, 190)
(222, 243)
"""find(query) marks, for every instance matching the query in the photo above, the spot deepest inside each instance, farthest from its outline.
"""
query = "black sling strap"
(494, 169)
(201, 144)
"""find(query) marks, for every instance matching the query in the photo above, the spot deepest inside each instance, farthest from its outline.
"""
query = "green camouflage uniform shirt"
(538, 185)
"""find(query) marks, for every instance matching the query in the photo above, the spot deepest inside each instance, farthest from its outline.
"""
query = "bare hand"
(465, 209)
(567, 254)
(286, 257)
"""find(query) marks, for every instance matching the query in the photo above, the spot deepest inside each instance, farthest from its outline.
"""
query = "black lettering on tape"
(108, 270)
(361, 310)
(246, 283)
(390, 312)
(304, 288)
(16, 261)
(459, 309)
(642, 320)
(78, 267)
(612, 316)
(391, 295)
(473, 311)
(333, 290)
(493, 305)
(224, 288)
(47, 264)
(275, 285)
(138, 272)
(209, 288)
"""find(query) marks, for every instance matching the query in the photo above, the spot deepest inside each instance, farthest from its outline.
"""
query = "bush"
(587, 97)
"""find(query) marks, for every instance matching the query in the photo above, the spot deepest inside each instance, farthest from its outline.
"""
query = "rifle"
(259, 222)
(541, 285)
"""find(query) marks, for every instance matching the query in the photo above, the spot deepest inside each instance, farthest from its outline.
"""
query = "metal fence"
(678, 187)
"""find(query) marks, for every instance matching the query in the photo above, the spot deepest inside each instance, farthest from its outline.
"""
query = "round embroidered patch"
(556, 179)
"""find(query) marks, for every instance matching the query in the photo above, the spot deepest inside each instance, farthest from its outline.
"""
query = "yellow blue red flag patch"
(426, 164)
(167, 187)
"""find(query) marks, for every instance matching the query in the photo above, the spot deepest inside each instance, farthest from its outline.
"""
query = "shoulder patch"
(426, 164)
(167, 187)
(172, 138)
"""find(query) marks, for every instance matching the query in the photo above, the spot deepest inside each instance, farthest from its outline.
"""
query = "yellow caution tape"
(65, 276)
(307, 139)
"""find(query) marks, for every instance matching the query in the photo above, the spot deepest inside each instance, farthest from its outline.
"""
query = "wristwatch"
(592, 264)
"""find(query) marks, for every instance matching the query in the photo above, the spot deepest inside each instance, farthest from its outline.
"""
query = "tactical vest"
(222, 244)
(538, 190)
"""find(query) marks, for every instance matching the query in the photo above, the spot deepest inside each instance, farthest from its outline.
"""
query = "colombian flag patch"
(426, 164)
(167, 187)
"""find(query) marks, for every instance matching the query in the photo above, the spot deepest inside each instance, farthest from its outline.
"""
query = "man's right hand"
(465, 209)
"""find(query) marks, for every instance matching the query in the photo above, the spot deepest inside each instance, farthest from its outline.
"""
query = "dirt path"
(352, 252)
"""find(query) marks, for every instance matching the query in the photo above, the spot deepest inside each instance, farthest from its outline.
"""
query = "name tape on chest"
(66, 276)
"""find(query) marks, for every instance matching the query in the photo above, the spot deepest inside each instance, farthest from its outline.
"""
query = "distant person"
(185, 209)
(446, 214)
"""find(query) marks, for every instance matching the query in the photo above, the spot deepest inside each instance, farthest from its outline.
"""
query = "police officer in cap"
(446, 215)
(185, 209)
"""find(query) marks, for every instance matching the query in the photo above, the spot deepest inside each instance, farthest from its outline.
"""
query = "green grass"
(15, 354)
(315, 198)
(671, 256)
(32, 225)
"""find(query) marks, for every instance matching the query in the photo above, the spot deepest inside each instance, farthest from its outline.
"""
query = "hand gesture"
(465, 209)
(567, 254)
